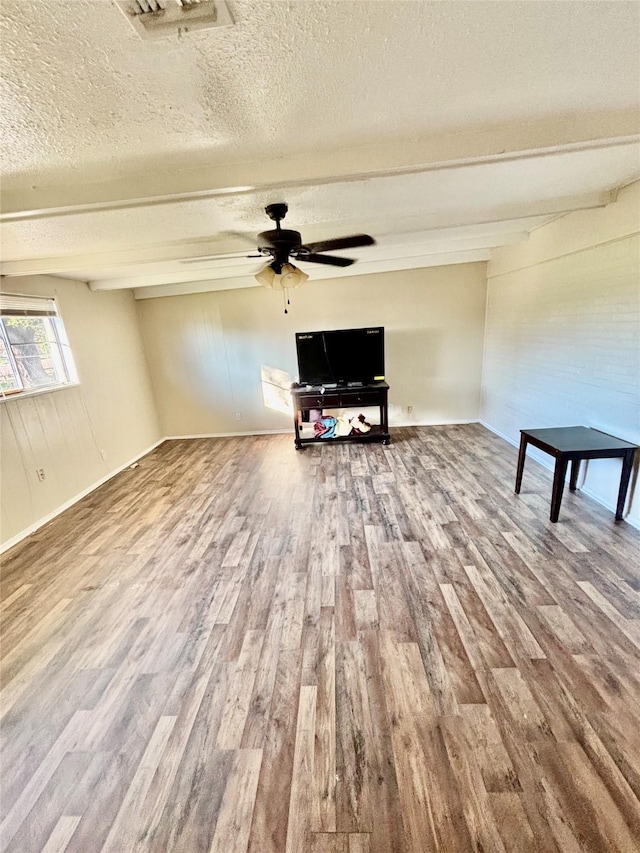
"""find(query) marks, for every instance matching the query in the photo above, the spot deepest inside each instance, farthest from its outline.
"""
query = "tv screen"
(341, 356)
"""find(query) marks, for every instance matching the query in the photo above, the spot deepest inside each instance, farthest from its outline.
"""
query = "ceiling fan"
(282, 244)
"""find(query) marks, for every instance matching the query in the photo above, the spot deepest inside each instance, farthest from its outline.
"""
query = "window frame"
(13, 364)
(45, 308)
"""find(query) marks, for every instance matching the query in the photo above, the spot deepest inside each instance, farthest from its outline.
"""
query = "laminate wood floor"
(353, 649)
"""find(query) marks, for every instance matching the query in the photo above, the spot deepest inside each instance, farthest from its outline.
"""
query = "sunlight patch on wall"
(276, 389)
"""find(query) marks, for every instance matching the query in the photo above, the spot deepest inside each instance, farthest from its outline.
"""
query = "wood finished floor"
(354, 649)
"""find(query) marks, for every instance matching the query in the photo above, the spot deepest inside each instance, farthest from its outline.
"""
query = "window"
(34, 350)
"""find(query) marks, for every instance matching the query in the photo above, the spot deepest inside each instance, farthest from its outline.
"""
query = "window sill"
(36, 392)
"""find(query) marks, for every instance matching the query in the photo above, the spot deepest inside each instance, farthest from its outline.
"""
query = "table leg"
(296, 427)
(558, 485)
(575, 468)
(384, 421)
(522, 454)
(625, 476)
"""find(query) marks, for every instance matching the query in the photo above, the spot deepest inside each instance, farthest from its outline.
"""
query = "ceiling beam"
(445, 151)
(167, 253)
(445, 259)
(324, 274)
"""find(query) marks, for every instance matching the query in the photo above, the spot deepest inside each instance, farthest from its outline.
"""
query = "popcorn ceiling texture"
(85, 99)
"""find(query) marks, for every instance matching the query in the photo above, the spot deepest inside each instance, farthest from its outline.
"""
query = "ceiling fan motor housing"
(282, 240)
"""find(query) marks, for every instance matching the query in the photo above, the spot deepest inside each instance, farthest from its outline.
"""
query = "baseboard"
(433, 423)
(4, 546)
(545, 460)
(505, 437)
(230, 434)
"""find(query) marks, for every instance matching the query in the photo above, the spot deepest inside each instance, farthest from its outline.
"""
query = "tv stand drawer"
(361, 398)
(319, 401)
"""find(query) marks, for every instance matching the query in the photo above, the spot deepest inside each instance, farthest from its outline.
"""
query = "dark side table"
(571, 444)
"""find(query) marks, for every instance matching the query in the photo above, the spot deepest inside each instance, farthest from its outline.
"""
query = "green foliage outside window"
(30, 340)
(34, 351)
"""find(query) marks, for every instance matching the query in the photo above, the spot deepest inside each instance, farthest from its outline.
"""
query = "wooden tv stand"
(308, 397)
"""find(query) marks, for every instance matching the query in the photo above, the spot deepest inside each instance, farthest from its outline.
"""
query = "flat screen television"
(341, 356)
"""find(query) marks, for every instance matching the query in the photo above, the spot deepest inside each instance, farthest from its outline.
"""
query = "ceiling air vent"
(156, 19)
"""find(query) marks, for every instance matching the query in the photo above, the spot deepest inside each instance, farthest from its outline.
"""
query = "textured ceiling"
(284, 101)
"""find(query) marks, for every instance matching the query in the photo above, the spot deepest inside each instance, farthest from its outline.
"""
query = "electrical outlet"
(238, 416)
(409, 410)
(40, 473)
(103, 453)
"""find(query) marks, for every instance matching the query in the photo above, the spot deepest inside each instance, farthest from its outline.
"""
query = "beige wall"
(66, 431)
(206, 351)
(562, 343)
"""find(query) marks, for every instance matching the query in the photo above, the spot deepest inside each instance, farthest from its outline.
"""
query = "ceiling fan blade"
(221, 257)
(329, 260)
(352, 242)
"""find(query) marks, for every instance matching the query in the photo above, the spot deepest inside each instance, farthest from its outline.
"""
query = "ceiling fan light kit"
(288, 278)
(291, 276)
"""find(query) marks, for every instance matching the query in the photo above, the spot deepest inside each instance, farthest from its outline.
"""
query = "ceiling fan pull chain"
(285, 300)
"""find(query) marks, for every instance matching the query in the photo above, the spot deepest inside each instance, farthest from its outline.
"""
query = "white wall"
(206, 351)
(64, 431)
(562, 342)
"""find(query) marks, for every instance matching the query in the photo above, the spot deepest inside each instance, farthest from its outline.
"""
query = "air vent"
(156, 19)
